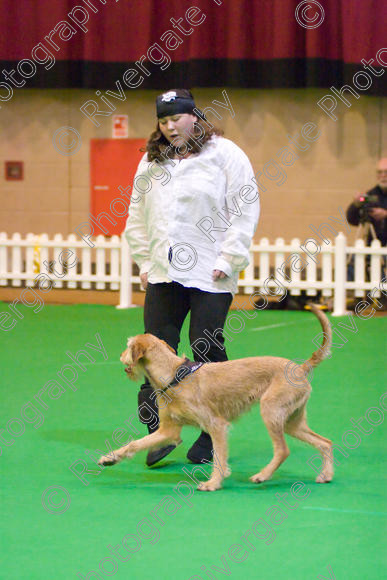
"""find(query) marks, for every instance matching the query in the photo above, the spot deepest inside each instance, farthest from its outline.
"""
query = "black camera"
(364, 204)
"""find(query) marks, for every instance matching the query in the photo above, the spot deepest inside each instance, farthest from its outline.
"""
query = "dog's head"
(137, 353)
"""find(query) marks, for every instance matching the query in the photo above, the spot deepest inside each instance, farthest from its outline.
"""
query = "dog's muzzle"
(129, 369)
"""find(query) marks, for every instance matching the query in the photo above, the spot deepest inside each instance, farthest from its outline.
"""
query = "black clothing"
(166, 307)
(380, 226)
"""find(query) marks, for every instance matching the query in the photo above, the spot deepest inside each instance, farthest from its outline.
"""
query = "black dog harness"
(187, 368)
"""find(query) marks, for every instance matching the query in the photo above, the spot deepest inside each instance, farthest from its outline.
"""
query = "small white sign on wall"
(120, 126)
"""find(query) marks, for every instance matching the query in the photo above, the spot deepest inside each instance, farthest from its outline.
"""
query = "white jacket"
(213, 188)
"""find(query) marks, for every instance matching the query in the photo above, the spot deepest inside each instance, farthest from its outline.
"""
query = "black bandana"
(174, 102)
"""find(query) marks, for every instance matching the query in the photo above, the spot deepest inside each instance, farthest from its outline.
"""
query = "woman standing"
(189, 232)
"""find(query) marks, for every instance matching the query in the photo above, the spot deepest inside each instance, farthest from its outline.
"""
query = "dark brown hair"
(157, 143)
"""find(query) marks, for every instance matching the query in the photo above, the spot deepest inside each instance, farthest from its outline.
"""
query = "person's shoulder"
(377, 190)
(144, 158)
(143, 164)
(230, 151)
(227, 146)
(223, 143)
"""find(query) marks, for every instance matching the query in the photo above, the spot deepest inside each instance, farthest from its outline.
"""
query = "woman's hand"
(218, 275)
(144, 280)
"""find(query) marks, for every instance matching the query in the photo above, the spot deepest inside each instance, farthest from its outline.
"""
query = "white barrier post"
(100, 256)
(339, 301)
(376, 267)
(16, 263)
(249, 274)
(126, 276)
(3, 258)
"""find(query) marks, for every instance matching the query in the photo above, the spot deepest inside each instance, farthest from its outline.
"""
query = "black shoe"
(148, 417)
(201, 449)
(158, 454)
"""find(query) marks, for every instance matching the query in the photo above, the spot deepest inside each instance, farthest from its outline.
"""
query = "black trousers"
(166, 307)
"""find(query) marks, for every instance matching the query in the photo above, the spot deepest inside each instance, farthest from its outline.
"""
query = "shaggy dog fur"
(217, 393)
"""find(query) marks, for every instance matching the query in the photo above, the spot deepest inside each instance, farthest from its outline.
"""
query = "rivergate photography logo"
(67, 140)
(309, 14)
(182, 256)
(56, 499)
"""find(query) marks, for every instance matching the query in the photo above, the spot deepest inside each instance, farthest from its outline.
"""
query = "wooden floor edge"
(109, 297)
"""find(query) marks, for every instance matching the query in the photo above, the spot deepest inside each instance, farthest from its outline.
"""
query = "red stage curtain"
(239, 43)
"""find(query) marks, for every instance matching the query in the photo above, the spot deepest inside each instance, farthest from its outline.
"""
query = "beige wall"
(54, 196)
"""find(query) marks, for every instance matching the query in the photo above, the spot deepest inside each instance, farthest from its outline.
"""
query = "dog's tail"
(325, 349)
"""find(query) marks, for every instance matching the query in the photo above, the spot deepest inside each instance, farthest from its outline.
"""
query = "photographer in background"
(370, 209)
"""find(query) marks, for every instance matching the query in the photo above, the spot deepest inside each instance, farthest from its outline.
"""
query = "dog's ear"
(139, 348)
(169, 347)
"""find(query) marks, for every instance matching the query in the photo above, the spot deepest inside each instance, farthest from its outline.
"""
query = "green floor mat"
(129, 521)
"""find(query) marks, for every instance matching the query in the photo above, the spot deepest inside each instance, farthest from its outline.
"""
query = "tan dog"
(218, 393)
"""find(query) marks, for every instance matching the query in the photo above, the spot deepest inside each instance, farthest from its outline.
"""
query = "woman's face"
(176, 127)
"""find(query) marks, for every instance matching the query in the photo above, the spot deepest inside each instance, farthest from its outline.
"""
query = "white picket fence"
(108, 266)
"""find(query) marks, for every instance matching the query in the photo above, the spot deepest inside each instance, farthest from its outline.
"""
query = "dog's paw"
(324, 478)
(227, 472)
(108, 460)
(258, 478)
(209, 486)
